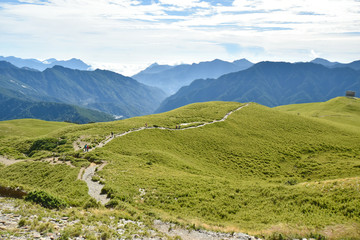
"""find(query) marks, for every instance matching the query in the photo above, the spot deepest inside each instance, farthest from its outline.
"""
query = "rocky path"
(7, 161)
(17, 223)
(94, 187)
(173, 230)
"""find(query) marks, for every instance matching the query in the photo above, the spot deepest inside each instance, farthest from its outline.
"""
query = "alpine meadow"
(287, 172)
(179, 120)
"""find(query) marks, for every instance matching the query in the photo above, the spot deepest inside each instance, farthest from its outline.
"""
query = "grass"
(262, 171)
(29, 127)
(235, 173)
(16, 136)
(58, 180)
(341, 111)
(73, 222)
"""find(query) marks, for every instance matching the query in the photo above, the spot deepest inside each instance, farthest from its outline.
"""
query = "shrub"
(92, 203)
(108, 191)
(95, 178)
(22, 222)
(46, 200)
(291, 182)
(112, 203)
(47, 144)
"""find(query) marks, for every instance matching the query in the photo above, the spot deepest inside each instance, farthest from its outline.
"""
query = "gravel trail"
(7, 161)
(94, 187)
(201, 124)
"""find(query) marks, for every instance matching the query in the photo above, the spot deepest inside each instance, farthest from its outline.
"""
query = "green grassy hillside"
(261, 171)
(29, 128)
(16, 136)
(342, 111)
(241, 173)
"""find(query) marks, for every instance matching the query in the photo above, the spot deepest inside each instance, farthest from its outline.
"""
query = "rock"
(36, 235)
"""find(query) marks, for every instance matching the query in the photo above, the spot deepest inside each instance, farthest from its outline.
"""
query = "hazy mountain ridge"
(354, 65)
(15, 105)
(100, 90)
(271, 84)
(49, 63)
(172, 78)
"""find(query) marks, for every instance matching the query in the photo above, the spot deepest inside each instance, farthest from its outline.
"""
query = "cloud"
(185, 3)
(235, 50)
(313, 54)
(142, 31)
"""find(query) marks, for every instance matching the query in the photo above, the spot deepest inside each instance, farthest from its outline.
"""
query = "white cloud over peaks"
(185, 3)
(144, 31)
(313, 54)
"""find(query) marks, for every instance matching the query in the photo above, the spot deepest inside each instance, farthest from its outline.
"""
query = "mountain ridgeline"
(354, 65)
(49, 63)
(271, 84)
(100, 90)
(15, 105)
(172, 78)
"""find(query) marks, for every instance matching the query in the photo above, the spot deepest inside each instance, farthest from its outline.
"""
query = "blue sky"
(128, 35)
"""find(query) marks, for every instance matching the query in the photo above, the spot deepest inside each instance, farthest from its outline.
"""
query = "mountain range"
(49, 63)
(15, 105)
(354, 65)
(268, 83)
(100, 90)
(171, 78)
(271, 84)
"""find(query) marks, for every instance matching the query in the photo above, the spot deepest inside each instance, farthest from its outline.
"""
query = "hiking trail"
(94, 187)
(7, 161)
(86, 174)
(109, 138)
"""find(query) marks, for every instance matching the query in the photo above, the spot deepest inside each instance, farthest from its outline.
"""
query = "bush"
(112, 203)
(108, 191)
(95, 178)
(46, 200)
(47, 144)
(92, 203)
(291, 182)
(22, 222)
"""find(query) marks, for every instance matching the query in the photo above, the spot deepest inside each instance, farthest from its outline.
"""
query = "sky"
(128, 35)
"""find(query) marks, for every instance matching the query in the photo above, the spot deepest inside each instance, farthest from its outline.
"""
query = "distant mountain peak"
(5, 64)
(73, 63)
(243, 63)
(58, 67)
(172, 78)
(217, 60)
(49, 61)
(154, 68)
(242, 60)
(354, 65)
(324, 62)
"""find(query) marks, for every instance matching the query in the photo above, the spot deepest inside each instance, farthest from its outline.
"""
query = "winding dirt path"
(7, 161)
(201, 124)
(94, 187)
(87, 174)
